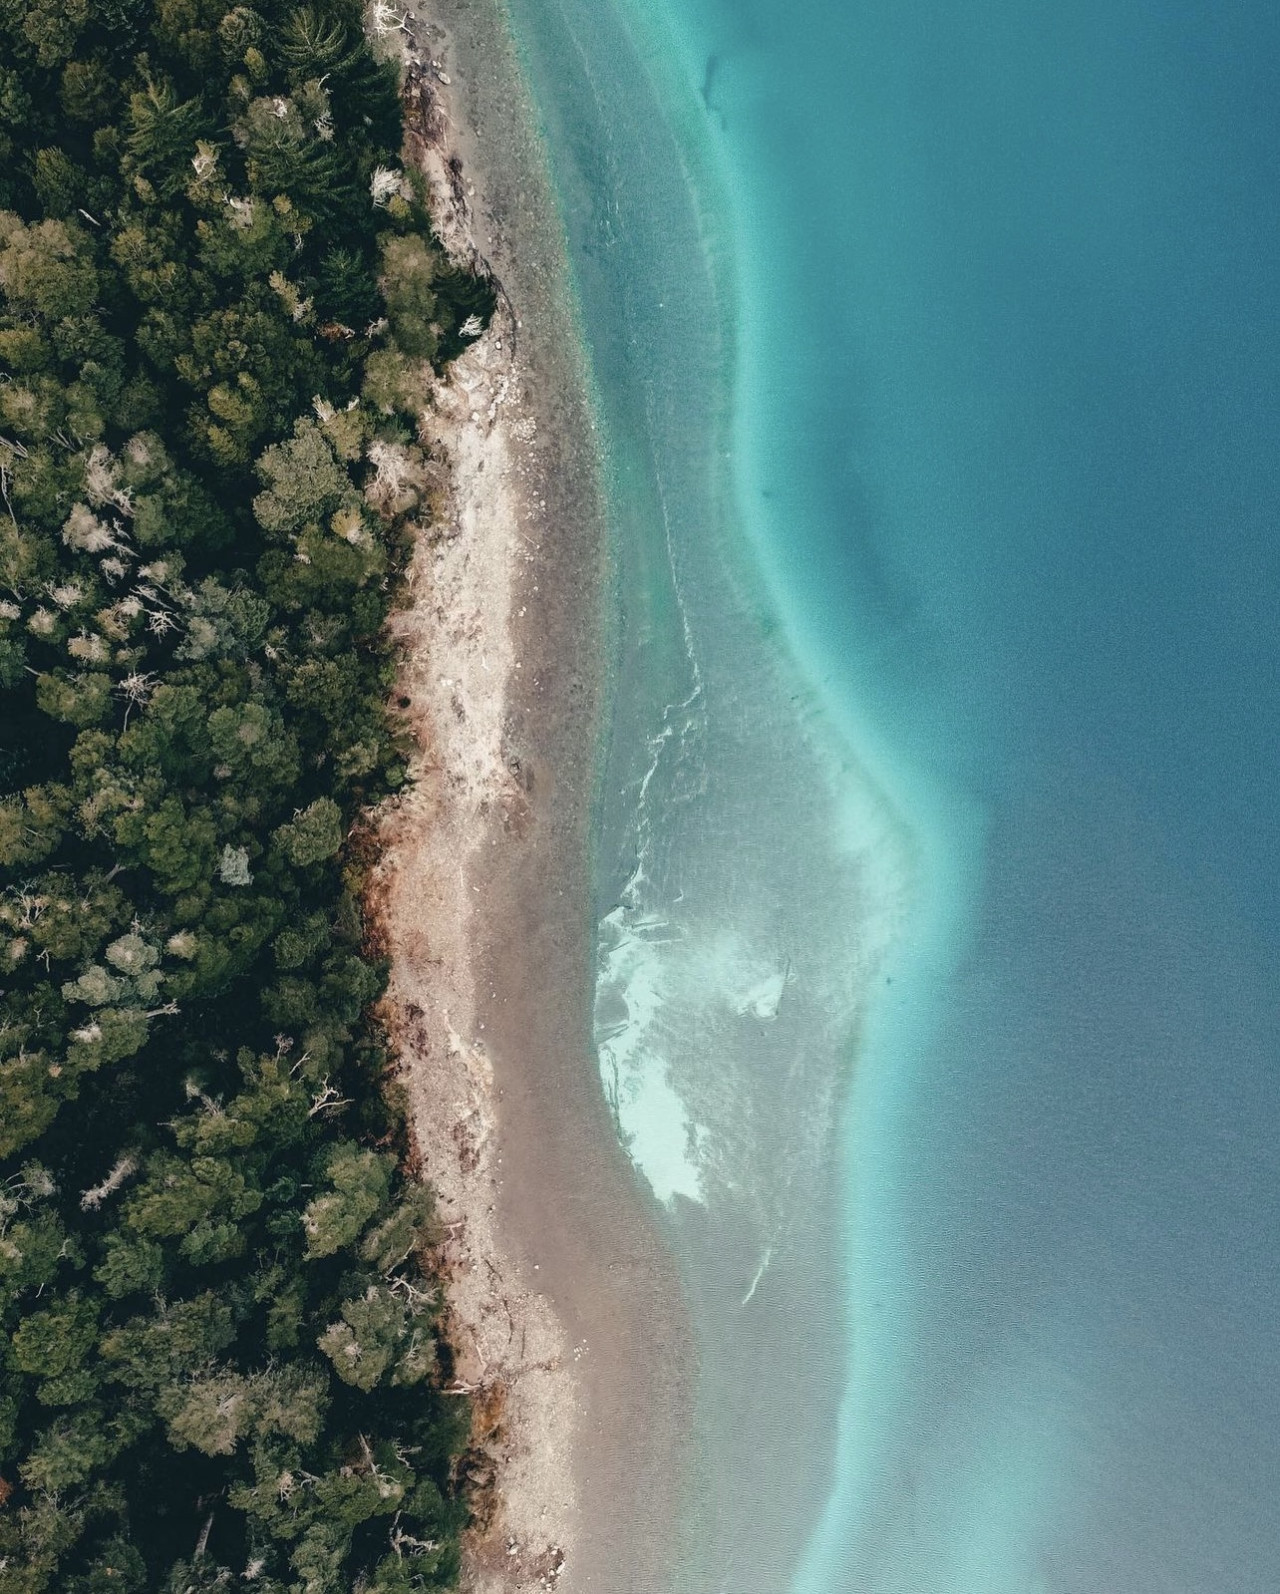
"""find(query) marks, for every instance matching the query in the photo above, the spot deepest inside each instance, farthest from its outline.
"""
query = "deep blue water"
(1024, 426)
(1003, 284)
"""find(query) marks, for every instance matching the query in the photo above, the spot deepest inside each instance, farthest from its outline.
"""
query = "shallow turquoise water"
(937, 353)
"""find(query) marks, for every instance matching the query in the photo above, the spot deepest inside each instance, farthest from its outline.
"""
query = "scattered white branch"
(327, 1100)
(124, 1169)
(386, 20)
(385, 184)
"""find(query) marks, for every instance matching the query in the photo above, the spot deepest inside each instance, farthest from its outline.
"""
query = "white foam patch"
(765, 997)
(658, 1136)
(732, 969)
(632, 989)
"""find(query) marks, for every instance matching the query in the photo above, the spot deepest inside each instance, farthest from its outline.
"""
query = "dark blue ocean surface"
(1012, 292)
(1003, 283)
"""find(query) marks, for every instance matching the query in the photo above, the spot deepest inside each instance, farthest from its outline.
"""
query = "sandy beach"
(563, 1306)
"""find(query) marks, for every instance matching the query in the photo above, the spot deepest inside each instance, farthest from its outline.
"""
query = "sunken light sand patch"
(562, 1304)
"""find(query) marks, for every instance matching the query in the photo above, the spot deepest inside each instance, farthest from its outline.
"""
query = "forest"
(220, 305)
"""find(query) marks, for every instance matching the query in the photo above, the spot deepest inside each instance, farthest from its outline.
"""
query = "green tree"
(131, 1264)
(117, 1568)
(59, 182)
(69, 1452)
(149, 1354)
(359, 1184)
(251, 743)
(377, 1335)
(88, 90)
(162, 134)
(212, 1413)
(304, 482)
(202, 1201)
(53, 1347)
(347, 290)
(409, 269)
(313, 834)
(81, 699)
(32, 825)
(46, 268)
(50, 29)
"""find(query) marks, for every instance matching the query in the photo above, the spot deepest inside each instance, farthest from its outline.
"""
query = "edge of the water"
(570, 1203)
(930, 862)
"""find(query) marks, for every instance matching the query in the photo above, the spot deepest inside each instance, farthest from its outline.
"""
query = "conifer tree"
(214, 314)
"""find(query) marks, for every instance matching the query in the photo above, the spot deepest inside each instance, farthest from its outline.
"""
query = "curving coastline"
(563, 1305)
(753, 872)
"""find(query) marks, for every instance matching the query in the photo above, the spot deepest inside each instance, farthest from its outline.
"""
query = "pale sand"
(563, 1306)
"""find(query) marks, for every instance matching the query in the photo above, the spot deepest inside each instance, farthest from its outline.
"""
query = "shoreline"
(738, 768)
(563, 1304)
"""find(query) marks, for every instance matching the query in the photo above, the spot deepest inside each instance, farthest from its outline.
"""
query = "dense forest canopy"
(219, 299)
